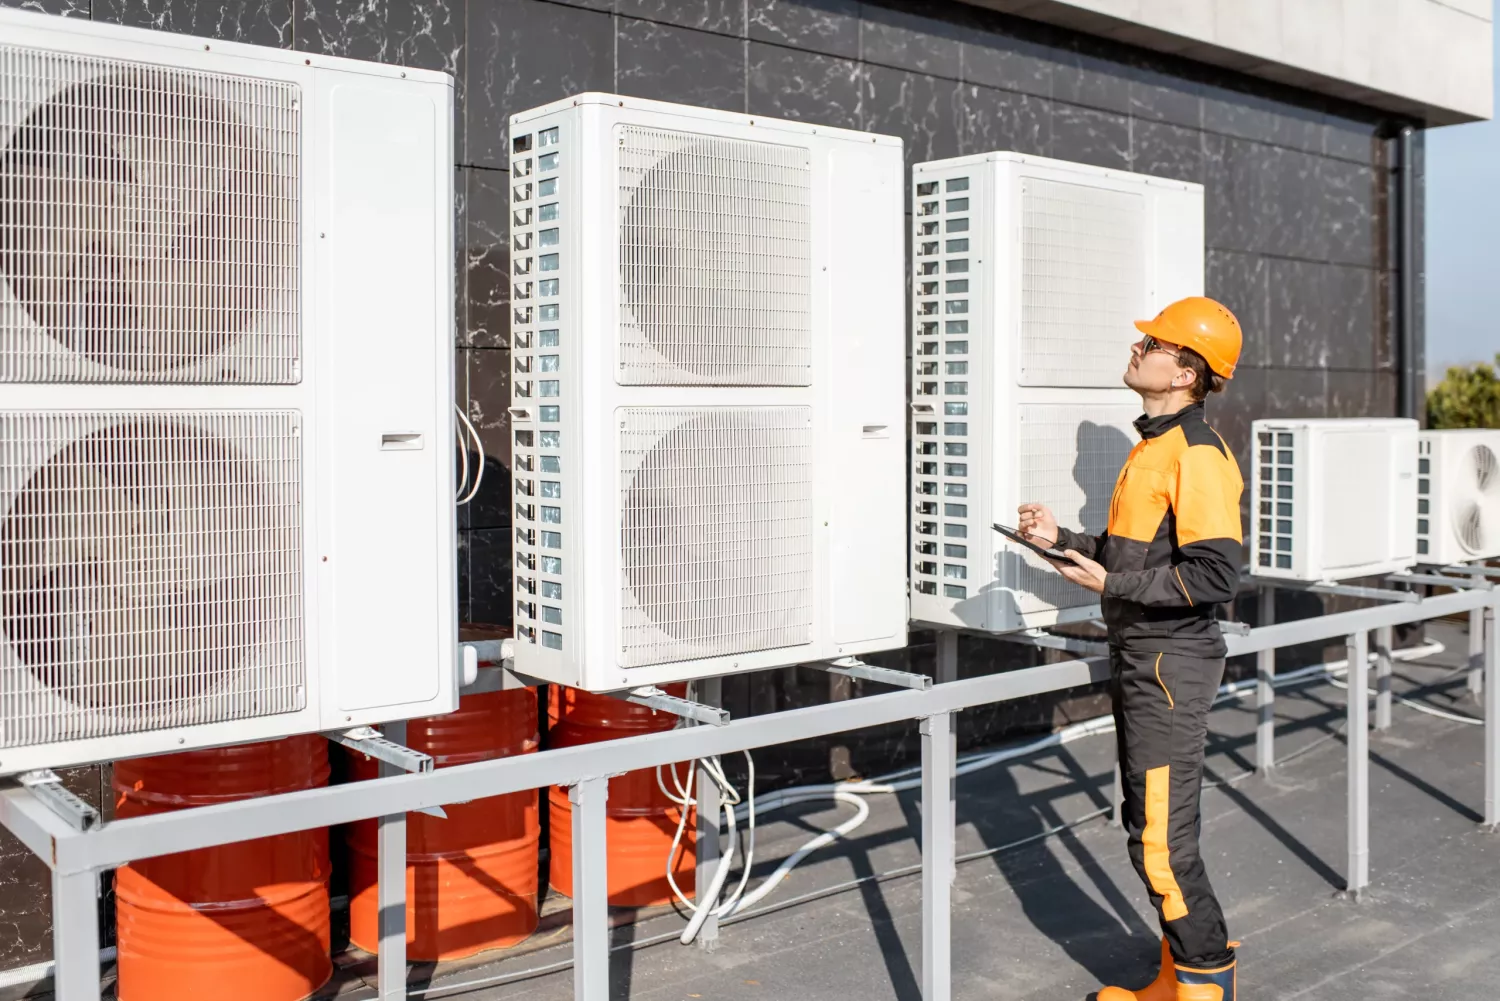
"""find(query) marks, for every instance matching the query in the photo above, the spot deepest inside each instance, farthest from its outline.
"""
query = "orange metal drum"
(641, 821)
(248, 920)
(471, 880)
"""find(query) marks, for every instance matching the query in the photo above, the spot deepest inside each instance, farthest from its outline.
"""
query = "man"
(1170, 555)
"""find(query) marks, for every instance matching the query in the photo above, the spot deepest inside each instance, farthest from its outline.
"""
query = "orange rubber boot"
(1164, 988)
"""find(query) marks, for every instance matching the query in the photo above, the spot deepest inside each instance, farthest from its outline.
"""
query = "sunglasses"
(1149, 344)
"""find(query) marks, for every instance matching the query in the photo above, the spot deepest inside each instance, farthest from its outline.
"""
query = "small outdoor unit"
(1333, 499)
(707, 398)
(1028, 277)
(226, 442)
(1458, 496)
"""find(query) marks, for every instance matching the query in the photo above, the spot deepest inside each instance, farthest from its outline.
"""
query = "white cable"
(910, 778)
(479, 450)
(463, 456)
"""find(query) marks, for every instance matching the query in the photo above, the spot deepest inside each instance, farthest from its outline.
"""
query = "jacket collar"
(1154, 427)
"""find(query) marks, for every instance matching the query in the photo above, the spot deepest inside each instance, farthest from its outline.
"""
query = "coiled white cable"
(463, 448)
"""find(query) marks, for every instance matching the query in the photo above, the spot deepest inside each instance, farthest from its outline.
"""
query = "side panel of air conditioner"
(1028, 276)
(1458, 495)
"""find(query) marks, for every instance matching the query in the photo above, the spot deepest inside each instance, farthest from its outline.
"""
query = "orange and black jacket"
(1173, 547)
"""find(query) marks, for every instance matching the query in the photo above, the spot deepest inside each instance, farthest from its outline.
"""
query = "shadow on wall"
(1102, 451)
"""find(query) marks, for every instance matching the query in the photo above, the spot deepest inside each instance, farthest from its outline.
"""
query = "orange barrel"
(253, 915)
(471, 880)
(641, 821)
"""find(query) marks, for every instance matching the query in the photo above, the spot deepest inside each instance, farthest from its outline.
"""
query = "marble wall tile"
(62, 8)
(724, 17)
(1009, 53)
(992, 120)
(1250, 111)
(1164, 150)
(522, 53)
(1386, 290)
(1233, 193)
(1093, 74)
(25, 882)
(490, 576)
(604, 5)
(259, 22)
(805, 86)
(486, 269)
(1295, 211)
(1350, 195)
(465, 580)
(1361, 394)
(922, 110)
(1352, 138)
(666, 63)
(1323, 315)
(425, 34)
(1085, 135)
(921, 37)
(1241, 282)
(827, 26)
(1161, 96)
(1296, 392)
(488, 400)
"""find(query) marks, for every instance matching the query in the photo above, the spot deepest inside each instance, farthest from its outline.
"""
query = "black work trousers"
(1161, 703)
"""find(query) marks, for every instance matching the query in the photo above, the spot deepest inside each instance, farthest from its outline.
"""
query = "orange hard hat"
(1203, 325)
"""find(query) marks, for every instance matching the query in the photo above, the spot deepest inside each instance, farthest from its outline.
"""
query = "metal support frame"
(1265, 687)
(1051, 641)
(710, 691)
(1384, 663)
(1357, 874)
(939, 869)
(47, 786)
(654, 698)
(390, 862)
(1350, 591)
(1469, 570)
(590, 890)
(851, 667)
(1476, 653)
(77, 857)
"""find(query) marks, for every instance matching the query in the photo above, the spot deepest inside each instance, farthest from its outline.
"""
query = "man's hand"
(1038, 524)
(1085, 573)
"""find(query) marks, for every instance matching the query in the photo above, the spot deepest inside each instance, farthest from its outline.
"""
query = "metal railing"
(77, 856)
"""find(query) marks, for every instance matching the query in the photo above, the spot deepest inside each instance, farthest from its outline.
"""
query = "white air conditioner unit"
(226, 441)
(1333, 498)
(1028, 277)
(707, 396)
(1458, 495)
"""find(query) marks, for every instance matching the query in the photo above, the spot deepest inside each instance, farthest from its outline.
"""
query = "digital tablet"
(1014, 535)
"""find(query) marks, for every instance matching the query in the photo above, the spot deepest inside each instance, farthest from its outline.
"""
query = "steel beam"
(47, 787)
(590, 890)
(391, 865)
(1439, 580)
(1117, 795)
(1357, 875)
(938, 867)
(654, 698)
(1358, 591)
(710, 693)
(849, 667)
(1051, 641)
(1265, 687)
(75, 936)
(1470, 571)
(1383, 666)
(1326, 627)
(1477, 650)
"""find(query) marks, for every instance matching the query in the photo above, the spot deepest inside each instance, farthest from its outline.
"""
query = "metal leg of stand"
(1476, 653)
(1265, 691)
(1383, 665)
(391, 865)
(1359, 764)
(938, 866)
(75, 936)
(1117, 796)
(946, 671)
(1491, 718)
(709, 809)
(590, 890)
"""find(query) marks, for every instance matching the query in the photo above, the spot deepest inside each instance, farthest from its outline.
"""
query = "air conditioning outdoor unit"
(226, 459)
(707, 396)
(1333, 498)
(1458, 495)
(1028, 276)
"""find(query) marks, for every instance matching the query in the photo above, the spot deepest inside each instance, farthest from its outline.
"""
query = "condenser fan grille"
(715, 261)
(715, 531)
(150, 571)
(1477, 504)
(148, 223)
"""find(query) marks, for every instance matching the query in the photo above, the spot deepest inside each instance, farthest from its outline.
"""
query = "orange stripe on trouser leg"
(1158, 859)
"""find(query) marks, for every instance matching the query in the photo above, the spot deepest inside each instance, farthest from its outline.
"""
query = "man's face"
(1153, 365)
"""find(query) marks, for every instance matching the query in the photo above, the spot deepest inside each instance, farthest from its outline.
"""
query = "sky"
(1463, 243)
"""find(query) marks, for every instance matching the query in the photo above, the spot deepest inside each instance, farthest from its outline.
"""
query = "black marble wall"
(1299, 193)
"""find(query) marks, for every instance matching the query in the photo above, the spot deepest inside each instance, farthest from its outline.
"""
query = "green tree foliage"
(1468, 397)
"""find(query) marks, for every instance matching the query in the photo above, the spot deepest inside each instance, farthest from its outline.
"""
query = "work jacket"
(1173, 546)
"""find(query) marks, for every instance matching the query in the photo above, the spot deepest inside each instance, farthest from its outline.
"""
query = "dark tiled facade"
(1299, 191)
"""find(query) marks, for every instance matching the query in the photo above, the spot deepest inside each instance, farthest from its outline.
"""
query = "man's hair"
(1205, 380)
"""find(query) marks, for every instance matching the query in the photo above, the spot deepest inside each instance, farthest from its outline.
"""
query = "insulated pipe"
(1406, 251)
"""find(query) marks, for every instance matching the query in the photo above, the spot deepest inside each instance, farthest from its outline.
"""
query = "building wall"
(1300, 213)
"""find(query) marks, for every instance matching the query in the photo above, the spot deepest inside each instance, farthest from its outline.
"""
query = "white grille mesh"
(148, 223)
(1070, 459)
(150, 571)
(715, 258)
(1082, 282)
(715, 531)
